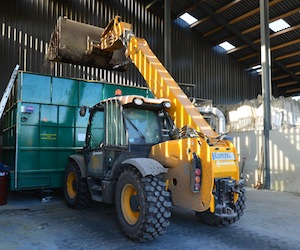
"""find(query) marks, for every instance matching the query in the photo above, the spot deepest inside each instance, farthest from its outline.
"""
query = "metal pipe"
(217, 113)
(266, 84)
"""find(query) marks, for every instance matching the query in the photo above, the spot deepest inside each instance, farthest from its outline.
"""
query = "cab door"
(94, 150)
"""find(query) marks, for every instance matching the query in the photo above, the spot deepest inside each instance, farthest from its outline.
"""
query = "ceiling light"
(226, 45)
(188, 18)
(257, 68)
(278, 25)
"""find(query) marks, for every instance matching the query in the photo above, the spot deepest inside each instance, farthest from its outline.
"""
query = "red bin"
(3, 187)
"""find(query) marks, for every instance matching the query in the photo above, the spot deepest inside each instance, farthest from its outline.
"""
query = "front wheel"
(76, 189)
(143, 205)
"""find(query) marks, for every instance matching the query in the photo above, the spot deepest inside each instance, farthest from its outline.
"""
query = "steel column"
(266, 84)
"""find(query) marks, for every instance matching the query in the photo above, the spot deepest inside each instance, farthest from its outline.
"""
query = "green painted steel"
(109, 90)
(42, 125)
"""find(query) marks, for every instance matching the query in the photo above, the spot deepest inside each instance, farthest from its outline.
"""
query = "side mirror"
(82, 111)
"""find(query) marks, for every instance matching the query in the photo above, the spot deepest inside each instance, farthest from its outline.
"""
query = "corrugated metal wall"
(26, 25)
(216, 75)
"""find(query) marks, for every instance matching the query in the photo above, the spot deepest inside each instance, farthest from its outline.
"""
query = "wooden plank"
(288, 55)
(286, 84)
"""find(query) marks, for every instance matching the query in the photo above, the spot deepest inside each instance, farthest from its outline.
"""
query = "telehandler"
(145, 154)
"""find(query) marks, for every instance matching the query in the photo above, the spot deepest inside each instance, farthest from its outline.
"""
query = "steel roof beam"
(209, 10)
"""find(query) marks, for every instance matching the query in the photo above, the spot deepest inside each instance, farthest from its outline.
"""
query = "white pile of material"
(248, 115)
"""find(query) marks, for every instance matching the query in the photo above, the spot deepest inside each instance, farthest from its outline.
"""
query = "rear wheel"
(211, 219)
(76, 190)
(143, 205)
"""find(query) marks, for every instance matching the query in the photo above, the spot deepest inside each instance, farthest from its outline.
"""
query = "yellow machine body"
(218, 157)
(176, 155)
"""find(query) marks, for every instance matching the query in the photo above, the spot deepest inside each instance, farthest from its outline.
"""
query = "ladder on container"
(8, 90)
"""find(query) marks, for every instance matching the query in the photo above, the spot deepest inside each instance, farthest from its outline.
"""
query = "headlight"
(167, 105)
(138, 101)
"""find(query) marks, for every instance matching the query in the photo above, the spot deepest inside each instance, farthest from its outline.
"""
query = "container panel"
(98, 120)
(66, 117)
(30, 114)
(48, 115)
(97, 137)
(65, 91)
(32, 181)
(9, 117)
(14, 95)
(35, 88)
(12, 137)
(9, 157)
(63, 158)
(136, 91)
(48, 160)
(28, 160)
(65, 137)
(48, 137)
(29, 180)
(8, 138)
(109, 91)
(29, 136)
(81, 121)
(50, 127)
(57, 178)
(90, 93)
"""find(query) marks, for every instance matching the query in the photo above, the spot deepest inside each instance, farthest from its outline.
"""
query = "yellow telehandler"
(145, 154)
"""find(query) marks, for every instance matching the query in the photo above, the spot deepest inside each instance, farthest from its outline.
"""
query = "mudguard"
(80, 162)
(146, 166)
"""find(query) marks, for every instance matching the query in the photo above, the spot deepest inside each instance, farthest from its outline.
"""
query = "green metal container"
(42, 125)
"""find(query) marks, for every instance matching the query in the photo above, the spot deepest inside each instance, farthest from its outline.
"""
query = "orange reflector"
(118, 92)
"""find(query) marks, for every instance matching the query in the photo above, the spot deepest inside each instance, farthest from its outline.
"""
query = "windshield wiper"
(137, 130)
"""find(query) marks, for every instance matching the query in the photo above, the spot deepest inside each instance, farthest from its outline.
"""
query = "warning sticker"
(48, 136)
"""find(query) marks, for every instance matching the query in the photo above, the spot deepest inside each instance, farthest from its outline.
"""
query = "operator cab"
(124, 127)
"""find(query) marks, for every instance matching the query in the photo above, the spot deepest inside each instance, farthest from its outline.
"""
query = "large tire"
(76, 189)
(143, 205)
(211, 219)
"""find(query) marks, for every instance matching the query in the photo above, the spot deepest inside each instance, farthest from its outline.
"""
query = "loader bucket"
(68, 44)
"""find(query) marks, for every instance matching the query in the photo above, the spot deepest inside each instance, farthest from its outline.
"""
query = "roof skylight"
(278, 25)
(188, 18)
(226, 45)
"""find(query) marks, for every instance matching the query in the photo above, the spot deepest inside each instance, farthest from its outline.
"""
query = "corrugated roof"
(238, 21)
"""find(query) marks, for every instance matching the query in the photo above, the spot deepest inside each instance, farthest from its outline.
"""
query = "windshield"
(142, 126)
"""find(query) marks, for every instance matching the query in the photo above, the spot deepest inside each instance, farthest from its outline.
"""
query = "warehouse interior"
(192, 53)
(219, 80)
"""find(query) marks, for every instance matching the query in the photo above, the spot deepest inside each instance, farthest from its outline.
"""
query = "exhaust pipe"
(217, 113)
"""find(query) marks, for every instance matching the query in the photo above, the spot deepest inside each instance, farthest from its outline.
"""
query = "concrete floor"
(271, 221)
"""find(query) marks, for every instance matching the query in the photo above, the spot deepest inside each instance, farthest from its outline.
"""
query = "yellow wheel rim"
(130, 216)
(71, 180)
